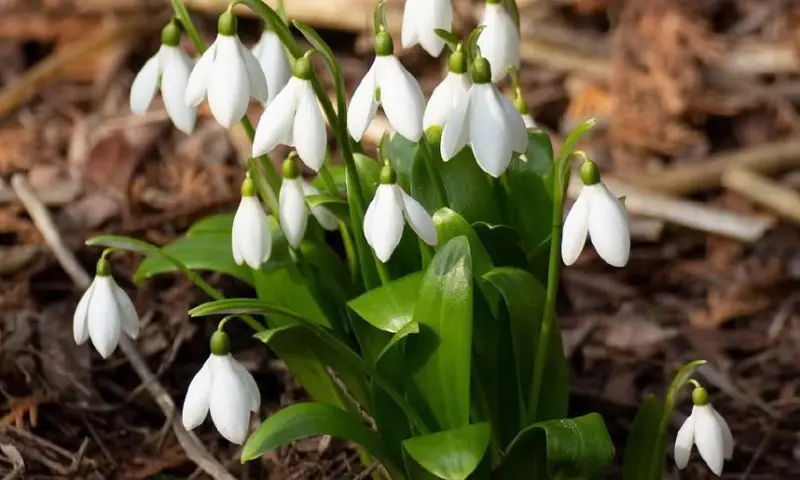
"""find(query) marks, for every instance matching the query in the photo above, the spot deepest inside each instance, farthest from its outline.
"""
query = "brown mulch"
(672, 83)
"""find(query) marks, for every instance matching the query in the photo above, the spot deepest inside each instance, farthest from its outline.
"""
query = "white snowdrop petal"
(229, 83)
(80, 328)
(257, 81)
(444, 99)
(310, 138)
(362, 106)
(128, 315)
(387, 223)
(195, 405)
(293, 212)
(229, 401)
(249, 382)
(197, 86)
(411, 14)
(727, 436)
(251, 232)
(144, 85)
(455, 134)
(401, 97)
(177, 68)
(576, 227)
(708, 438)
(438, 14)
(369, 219)
(104, 317)
(684, 441)
(419, 219)
(608, 226)
(517, 130)
(499, 41)
(489, 130)
(275, 125)
(274, 62)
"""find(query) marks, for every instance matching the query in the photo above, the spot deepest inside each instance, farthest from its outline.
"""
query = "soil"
(672, 85)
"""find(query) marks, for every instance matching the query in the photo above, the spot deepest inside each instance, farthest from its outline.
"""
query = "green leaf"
(408, 329)
(219, 223)
(524, 297)
(389, 307)
(339, 177)
(452, 454)
(337, 206)
(575, 136)
(502, 244)
(529, 197)
(303, 420)
(440, 355)
(367, 172)
(644, 452)
(575, 448)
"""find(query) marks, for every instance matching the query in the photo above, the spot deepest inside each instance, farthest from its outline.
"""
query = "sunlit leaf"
(451, 454)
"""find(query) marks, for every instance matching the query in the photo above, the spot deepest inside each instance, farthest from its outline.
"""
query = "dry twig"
(191, 444)
(762, 190)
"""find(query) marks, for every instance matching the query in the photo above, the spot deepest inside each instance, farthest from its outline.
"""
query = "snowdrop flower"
(251, 238)
(167, 70)
(499, 41)
(388, 84)
(421, 18)
(598, 213)
(274, 62)
(448, 94)
(326, 219)
(224, 388)
(708, 430)
(293, 212)
(228, 74)
(294, 118)
(383, 222)
(104, 312)
(487, 121)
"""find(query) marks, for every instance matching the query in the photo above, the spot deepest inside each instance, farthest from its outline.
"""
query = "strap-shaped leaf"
(452, 454)
(572, 448)
(391, 306)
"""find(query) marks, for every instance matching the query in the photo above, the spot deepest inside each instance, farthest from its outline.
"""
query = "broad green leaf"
(408, 329)
(337, 206)
(529, 197)
(524, 297)
(572, 448)
(219, 223)
(502, 243)
(389, 307)
(439, 356)
(451, 454)
(303, 420)
(339, 178)
(299, 341)
(449, 224)
(644, 450)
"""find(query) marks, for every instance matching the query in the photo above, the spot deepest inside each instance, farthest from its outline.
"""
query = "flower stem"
(436, 179)
(560, 181)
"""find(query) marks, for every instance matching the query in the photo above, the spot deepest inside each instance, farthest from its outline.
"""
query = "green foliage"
(451, 454)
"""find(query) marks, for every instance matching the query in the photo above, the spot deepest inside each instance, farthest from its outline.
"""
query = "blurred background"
(697, 102)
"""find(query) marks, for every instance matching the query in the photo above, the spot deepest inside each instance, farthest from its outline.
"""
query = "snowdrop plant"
(168, 70)
(499, 42)
(104, 313)
(444, 334)
(708, 430)
(228, 75)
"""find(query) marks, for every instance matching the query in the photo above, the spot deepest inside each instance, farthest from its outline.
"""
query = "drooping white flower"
(274, 61)
(251, 239)
(486, 121)
(388, 84)
(293, 212)
(499, 40)
(709, 431)
(387, 214)
(421, 18)
(224, 388)
(600, 215)
(167, 70)
(228, 75)
(448, 94)
(104, 312)
(294, 118)
(324, 217)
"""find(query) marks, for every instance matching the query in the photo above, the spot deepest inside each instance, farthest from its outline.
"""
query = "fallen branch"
(762, 190)
(191, 444)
